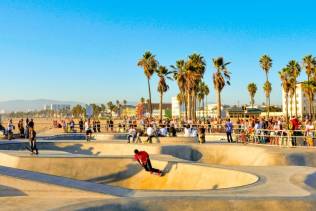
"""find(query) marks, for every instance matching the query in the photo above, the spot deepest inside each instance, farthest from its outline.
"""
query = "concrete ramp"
(125, 172)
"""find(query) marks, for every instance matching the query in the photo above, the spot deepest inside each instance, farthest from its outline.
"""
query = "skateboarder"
(32, 141)
(142, 158)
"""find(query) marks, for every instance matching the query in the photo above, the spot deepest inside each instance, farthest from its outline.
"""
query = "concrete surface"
(213, 176)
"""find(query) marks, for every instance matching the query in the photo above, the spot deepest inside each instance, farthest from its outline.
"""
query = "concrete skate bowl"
(125, 173)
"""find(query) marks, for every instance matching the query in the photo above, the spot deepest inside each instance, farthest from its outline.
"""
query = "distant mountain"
(30, 105)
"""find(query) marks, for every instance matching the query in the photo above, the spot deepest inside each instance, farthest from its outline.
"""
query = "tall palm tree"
(200, 94)
(252, 89)
(221, 77)
(309, 63)
(197, 65)
(163, 74)
(180, 77)
(111, 107)
(206, 91)
(287, 80)
(267, 87)
(266, 64)
(291, 95)
(149, 63)
(309, 89)
(295, 70)
(181, 100)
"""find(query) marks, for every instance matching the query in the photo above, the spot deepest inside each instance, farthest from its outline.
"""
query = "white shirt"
(86, 126)
(150, 131)
(132, 131)
(163, 131)
(194, 133)
(187, 132)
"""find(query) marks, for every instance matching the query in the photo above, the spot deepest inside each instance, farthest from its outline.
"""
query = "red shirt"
(295, 124)
(141, 156)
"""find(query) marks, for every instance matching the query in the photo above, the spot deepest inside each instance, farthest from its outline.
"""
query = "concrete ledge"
(65, 182)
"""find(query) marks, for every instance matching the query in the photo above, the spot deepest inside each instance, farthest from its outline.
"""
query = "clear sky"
(87, 50)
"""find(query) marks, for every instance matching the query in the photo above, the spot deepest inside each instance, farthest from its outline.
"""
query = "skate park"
(102, 174)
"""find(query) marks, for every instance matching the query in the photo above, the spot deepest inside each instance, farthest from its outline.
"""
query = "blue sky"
(87, 50)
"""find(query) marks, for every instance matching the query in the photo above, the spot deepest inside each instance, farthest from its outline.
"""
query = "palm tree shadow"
(128, 172)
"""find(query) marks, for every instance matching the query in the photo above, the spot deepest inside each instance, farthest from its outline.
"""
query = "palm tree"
(287, 80)
(252, 89)
(267, 87)
(221, 77)
(266, 64)
(206, 93)
(181, 100)
(163, 74)
(149, 63)
(180, 77)
(111, 107)
(309, 63)
(309, 89)
(295, 70)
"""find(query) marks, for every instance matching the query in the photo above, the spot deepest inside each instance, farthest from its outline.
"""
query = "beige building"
(301, 102)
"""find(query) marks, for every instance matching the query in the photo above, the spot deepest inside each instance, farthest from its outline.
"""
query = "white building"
(209, 111)
(301, 102)
(57, 107)
(175, 107)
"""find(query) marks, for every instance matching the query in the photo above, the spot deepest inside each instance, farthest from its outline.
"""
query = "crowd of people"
(276, 131)
(261, 130)
(26, 129)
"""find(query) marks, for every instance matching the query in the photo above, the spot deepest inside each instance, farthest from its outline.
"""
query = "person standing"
(201, 134)
(88, 130)
(31, 124)
(229, 130)
(150, 133)
(26, 132)
(32, 141)
(80, 125)
(10, 129)
(21, 128)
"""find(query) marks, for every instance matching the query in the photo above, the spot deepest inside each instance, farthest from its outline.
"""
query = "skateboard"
(158, 174)
(29, 149)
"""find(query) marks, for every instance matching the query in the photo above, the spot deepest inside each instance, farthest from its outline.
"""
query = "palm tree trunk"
(189, 106)
(180, 117)
(295, 103)
(160, 105)
(186, 109)
(194, 108)
(291, 105)
(206, 106)
(203, 108)
(219, 104)
(311, 100)
(268, 98)
(149, 92)
(286, 108)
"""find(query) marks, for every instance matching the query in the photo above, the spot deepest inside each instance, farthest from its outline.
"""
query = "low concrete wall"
(224, 154)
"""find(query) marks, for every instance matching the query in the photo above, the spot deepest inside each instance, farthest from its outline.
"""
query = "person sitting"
(131, 134)
(163, 132)
(187, 131)
(172, 131)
